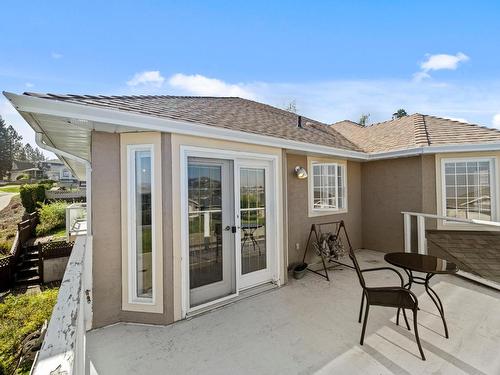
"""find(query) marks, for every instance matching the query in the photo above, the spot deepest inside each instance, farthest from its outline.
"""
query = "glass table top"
(421, 263)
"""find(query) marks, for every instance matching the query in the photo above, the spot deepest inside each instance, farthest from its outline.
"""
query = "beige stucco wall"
(107, 254)
(299, 221)
(389, 187)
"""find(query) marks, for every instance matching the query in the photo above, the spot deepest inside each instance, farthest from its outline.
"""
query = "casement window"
(141, 230)
(468, 188)
(141, 223)
(327, 187)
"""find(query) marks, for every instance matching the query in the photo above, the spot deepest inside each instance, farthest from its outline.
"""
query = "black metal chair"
(397, 297)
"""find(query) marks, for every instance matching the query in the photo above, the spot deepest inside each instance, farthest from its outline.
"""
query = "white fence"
(63, 349)
(65, 194)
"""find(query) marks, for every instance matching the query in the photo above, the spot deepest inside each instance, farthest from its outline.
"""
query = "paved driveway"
(5, 199)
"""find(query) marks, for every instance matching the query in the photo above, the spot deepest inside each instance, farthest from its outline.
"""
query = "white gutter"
(109, 120)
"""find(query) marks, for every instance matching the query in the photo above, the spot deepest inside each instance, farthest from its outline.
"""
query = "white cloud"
(438, 62)
(443, 61)
(420, 76)
(56, 55)
(496, 121)
(198, 84)
(147, 78)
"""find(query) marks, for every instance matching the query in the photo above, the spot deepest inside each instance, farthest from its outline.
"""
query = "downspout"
(87, 282)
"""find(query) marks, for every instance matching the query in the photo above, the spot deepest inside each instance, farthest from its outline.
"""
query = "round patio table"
(429, 264)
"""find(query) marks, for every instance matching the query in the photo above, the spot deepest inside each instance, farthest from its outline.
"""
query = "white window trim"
(493, 189)
(132, 143)
(326, 211)
(132, 223)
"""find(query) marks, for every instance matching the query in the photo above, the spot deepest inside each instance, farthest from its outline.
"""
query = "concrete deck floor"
(310, 327)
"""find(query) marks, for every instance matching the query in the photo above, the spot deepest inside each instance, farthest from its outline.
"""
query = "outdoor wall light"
(300, 172)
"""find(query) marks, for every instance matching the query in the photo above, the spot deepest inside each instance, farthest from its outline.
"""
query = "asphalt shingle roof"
(224, 112)
(413, 131)
(245, 115)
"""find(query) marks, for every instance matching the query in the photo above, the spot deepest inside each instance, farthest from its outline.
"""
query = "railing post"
(422, 245)
(407, 231)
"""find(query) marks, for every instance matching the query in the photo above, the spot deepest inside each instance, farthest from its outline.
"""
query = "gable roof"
(21, 165)
(223, 112)
(414, 131)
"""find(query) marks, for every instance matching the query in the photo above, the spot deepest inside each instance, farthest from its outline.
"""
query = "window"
(141, 218)
(141, 229)
(328, 187)
(468, 188)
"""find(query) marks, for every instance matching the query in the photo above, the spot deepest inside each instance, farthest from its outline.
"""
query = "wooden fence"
(51, 250)
(25, 230)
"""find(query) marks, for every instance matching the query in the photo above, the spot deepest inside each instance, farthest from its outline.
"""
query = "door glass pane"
(205, 224)
(143, 224)
(253, 219)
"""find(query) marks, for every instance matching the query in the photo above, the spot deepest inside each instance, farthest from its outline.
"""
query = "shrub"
(23, 176)
(51, 216)
(49, 183)
(21, 315)
(32, 195)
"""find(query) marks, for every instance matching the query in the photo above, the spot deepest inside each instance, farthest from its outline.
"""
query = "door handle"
(233, 229)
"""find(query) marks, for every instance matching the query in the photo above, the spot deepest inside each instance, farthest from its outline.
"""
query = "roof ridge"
(464, 123)
(350, 121)
(421, 132)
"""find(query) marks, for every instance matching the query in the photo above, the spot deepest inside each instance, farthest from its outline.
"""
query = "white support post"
(407, 229)
(422, 245)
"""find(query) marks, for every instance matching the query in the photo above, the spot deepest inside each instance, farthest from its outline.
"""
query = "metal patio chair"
(398, 297)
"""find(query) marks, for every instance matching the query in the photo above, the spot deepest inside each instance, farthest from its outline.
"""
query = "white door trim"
(267, 274)
(193, 151)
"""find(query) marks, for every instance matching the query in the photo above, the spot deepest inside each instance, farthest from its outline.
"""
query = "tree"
(363, 120)
(12, 148)
(291, 107)
(399, 113)
(5, 159)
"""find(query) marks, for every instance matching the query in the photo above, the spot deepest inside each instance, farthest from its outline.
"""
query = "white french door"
(231, 237)
(255, 221)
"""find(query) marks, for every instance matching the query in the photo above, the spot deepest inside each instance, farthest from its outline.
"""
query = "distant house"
(53, 169)
(25, 168)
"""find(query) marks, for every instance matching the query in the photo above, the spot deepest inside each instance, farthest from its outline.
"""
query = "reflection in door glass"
(205, 224)
(253, 219)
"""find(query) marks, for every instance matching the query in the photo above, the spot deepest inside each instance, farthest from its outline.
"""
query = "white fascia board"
(471, 147)
(143, 122)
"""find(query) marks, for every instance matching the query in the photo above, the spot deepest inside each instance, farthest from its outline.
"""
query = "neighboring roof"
(21, 165)
(223, 112)
(413, 131)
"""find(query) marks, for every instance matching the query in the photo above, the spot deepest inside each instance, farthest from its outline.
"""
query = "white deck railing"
(63, 349)
(76, 220)
(421, 239)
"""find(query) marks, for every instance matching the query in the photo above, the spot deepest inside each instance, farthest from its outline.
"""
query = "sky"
(336, 60)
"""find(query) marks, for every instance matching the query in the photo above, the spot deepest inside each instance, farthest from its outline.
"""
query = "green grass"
(58, 233)
(21, 315)
(10, 189)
